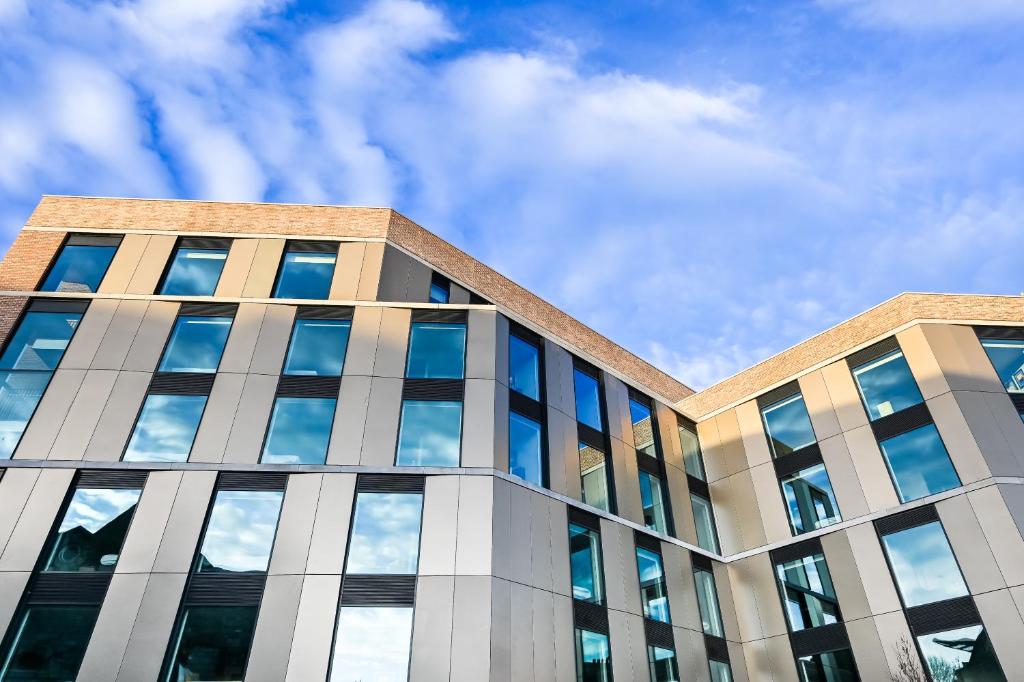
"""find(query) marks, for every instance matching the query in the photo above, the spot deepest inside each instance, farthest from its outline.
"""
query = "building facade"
(277, 442)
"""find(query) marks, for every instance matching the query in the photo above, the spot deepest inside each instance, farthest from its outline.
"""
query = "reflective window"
(212, 643)
(663, 664)
(692, 460)
(440, 289)
(40, 341)
(594, 477)
(317, 347)
(194, 272)
(886, 385)
(385, 534)
(1007, 357)
(196, 344)
(240, 532)
(49, 643)
(788, 425)
(523, 367)
(593, 657)
(525, 448)
(305, 274)
(961, 654)
(707, 602)
(437, 350)
(430, 433)
(810, 598)
(166, 428)
(923, 564)
(588, 399)
(92, 531)
(809, 499)
(299, 431)
(720, 671)
(585, 564)
(19, 394)
(652, 499)
(653, 591)
(832, 666)
(643, 428)
(372, 643)
(79, 268)
(919, 464)
(704, 517)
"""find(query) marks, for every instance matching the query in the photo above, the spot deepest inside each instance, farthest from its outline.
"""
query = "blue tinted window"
(919, 464)
(79, 268)
(643, 428)
(703, 516)
(809, 500)
(92, 531)
(594, 477)
(831, 666)
(593, 657)
(40, 341)
(372, 643)
(317, 347)
(692, 460)
(430, 433)
(523, 367)
(1007, 357)
(663, 664)
(585, 564)
(439, 290)
(810, 598)
(788, 426)
(707, 602)
(385, 534)
(886, 385)
(212, 643)
(194, 272)
(525, 449)
(196, 344)
(49, 643)
(588, 400)
(240, 532)
(166, 428)
(19, 394)
(437, 350)
(923, 564)
(652, 499)
(305, 275)
(299, 431)
(653, 591)
(720, 671)
(961, 654)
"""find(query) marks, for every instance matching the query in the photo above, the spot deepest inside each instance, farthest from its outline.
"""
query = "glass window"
(305, 274)
(79, 268)
(919, 464)
(196, 344)
(588, 399)
(593, 657)
(430, 433)
(692, 460)
(194, 272)
(663, 664)
(809, 499)
(49, 643)
(240, 532)
(704, 517)
(594, 477)
(1008, 359)
(299, 431)
(166, 428)
(923, 564)
(810, 598)
(212, 643)
(653, 592)
(372, 643)
(788, 425)
(437, 350)
(886, 385)
(961, 654)
(385, 534)
(720, 671)
(440, 289)
(707, 602)
(525, 448)
(523, 367)
(19, 394)
(643, 428)
(832, 666)
(40, 341)
(653, 501)
(317, 348)
(92, 531)
(585, 564)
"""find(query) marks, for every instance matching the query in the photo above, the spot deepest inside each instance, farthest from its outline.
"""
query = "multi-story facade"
(271, 442)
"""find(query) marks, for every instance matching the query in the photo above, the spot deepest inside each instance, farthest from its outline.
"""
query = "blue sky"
(706, 183)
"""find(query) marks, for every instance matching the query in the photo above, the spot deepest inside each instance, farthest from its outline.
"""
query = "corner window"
(317, 347)
(923, 564)
(810, 598)
(166, 428)
(194, 271)
(707, 602)
(692, 460)
(593, 657)
(385, 534)
(299, 431)
(437, 350)
(81, 265)
(240, 532)
(306, 271)
(643, 428)
(49, 643)
(20, 392)
(523, 367)
(663, 664)
(196, 344)
(440, 288)
(40, 341)
(92, 531)
(831, 666)
(212, 643)
(372, 643)
(525, 448)
(919, 464)
(594, 477)
(652, 499)
(788, 425)
(588, 399)
(809, 500)
(653, 591)
(961, 654)
(430, 433)
(720, 671)
(585, 564)
(886, 385)
(1007, 358)
(704, 518)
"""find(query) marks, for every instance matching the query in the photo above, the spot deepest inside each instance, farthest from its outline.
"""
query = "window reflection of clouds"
(195, 272)
(923, 563)
(887, 385)
(788, 425)
(299, 431)
(166, 428)
(385, 534)
(430, 433)
(317, 347)
(1008, 359)
(372, 643)
(241, 530)
(436, 351)
(93, 508)
(919, 463)
(196, 344)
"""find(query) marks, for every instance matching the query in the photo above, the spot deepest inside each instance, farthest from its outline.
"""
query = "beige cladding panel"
(151, 338)
(997, 428)
(241, 344)
(482, 344)
(40, 434)
(842, 566)
(349, 420)
(22, 548)
(440, 526)
(500, 459)
(473, 544)
(543, 632)
(275, 628)
(724, 499)
(730, 443)
(124, 264)
(142, 542)
(392, 343)
(871, 470)
(541, 552)
(844, 395)
(691, 655)
(726, 603)
(245, 443)
(1004, 626)
(471, 624)
(236, 268)
(967, 459)
(314, 626)
(345, 283)
(626, 481)
(369, 273)
(963, 360)
(515, 525)
(873, 570)
(770, 505)
(755, 443)
(295, 525)
(89, 334)
(501, 530)
(152, 264)
(188, 512)
(432, 629)
(502, 625)
(152, 628)
(969, 545)
(620, 424)
(866, 647)
(682, 593)
(272, 342)
(922, 362)
(565, 646)
(459, 295)
(12, 587)
(621, 581)
(823, 416)
(682, 509)
(843, 474)
(501, 337)
(996, 509)
(218, 419)
(896, 639)
(265, 263)
(756, 661)
(558, 379)
(738, 664)
(329, 537)
(561, 582)
(711, 451)
(110, 635)
(478, 423)
(120, 334)
(668, 432)
(380, 434)
(557, 452)
(362, 341)
(74, 433)
(15, 488)
(748, 513)
(780, 657)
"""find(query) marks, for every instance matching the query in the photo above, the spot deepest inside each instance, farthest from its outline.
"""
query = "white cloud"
(924, 15)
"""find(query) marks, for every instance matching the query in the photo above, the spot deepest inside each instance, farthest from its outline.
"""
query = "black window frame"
(716, 648)
(526, 406)
(653, 465)
(600, 440)
(81, 239)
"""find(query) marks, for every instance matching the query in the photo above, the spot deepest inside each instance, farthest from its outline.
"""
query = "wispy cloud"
(927, 15)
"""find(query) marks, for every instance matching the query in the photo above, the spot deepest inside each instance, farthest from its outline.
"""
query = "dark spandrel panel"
(816, 640)
(205, 243)
(69, 588)
(778, 394)
(902, 421)
(313, 247)
(47, 643)
(111, 478)
(717, 648)
(796, 551)
(801, 459)
(648, 542)
(533, 409)
(433, 389)
(908, 519)
(590, 616)
(378, 590)
(591, 437)
(309, 386)
(659, 634)
(874, 352)
(212, 643)
(700, 561)
(57, 305)
(698, 487)
(94, 240)
(209, 309)
(584, 518)
(324, 312)
(444, 316)
(181, 383)
(251, 480)
(943, 615)
(225, 589)
(390, 483)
